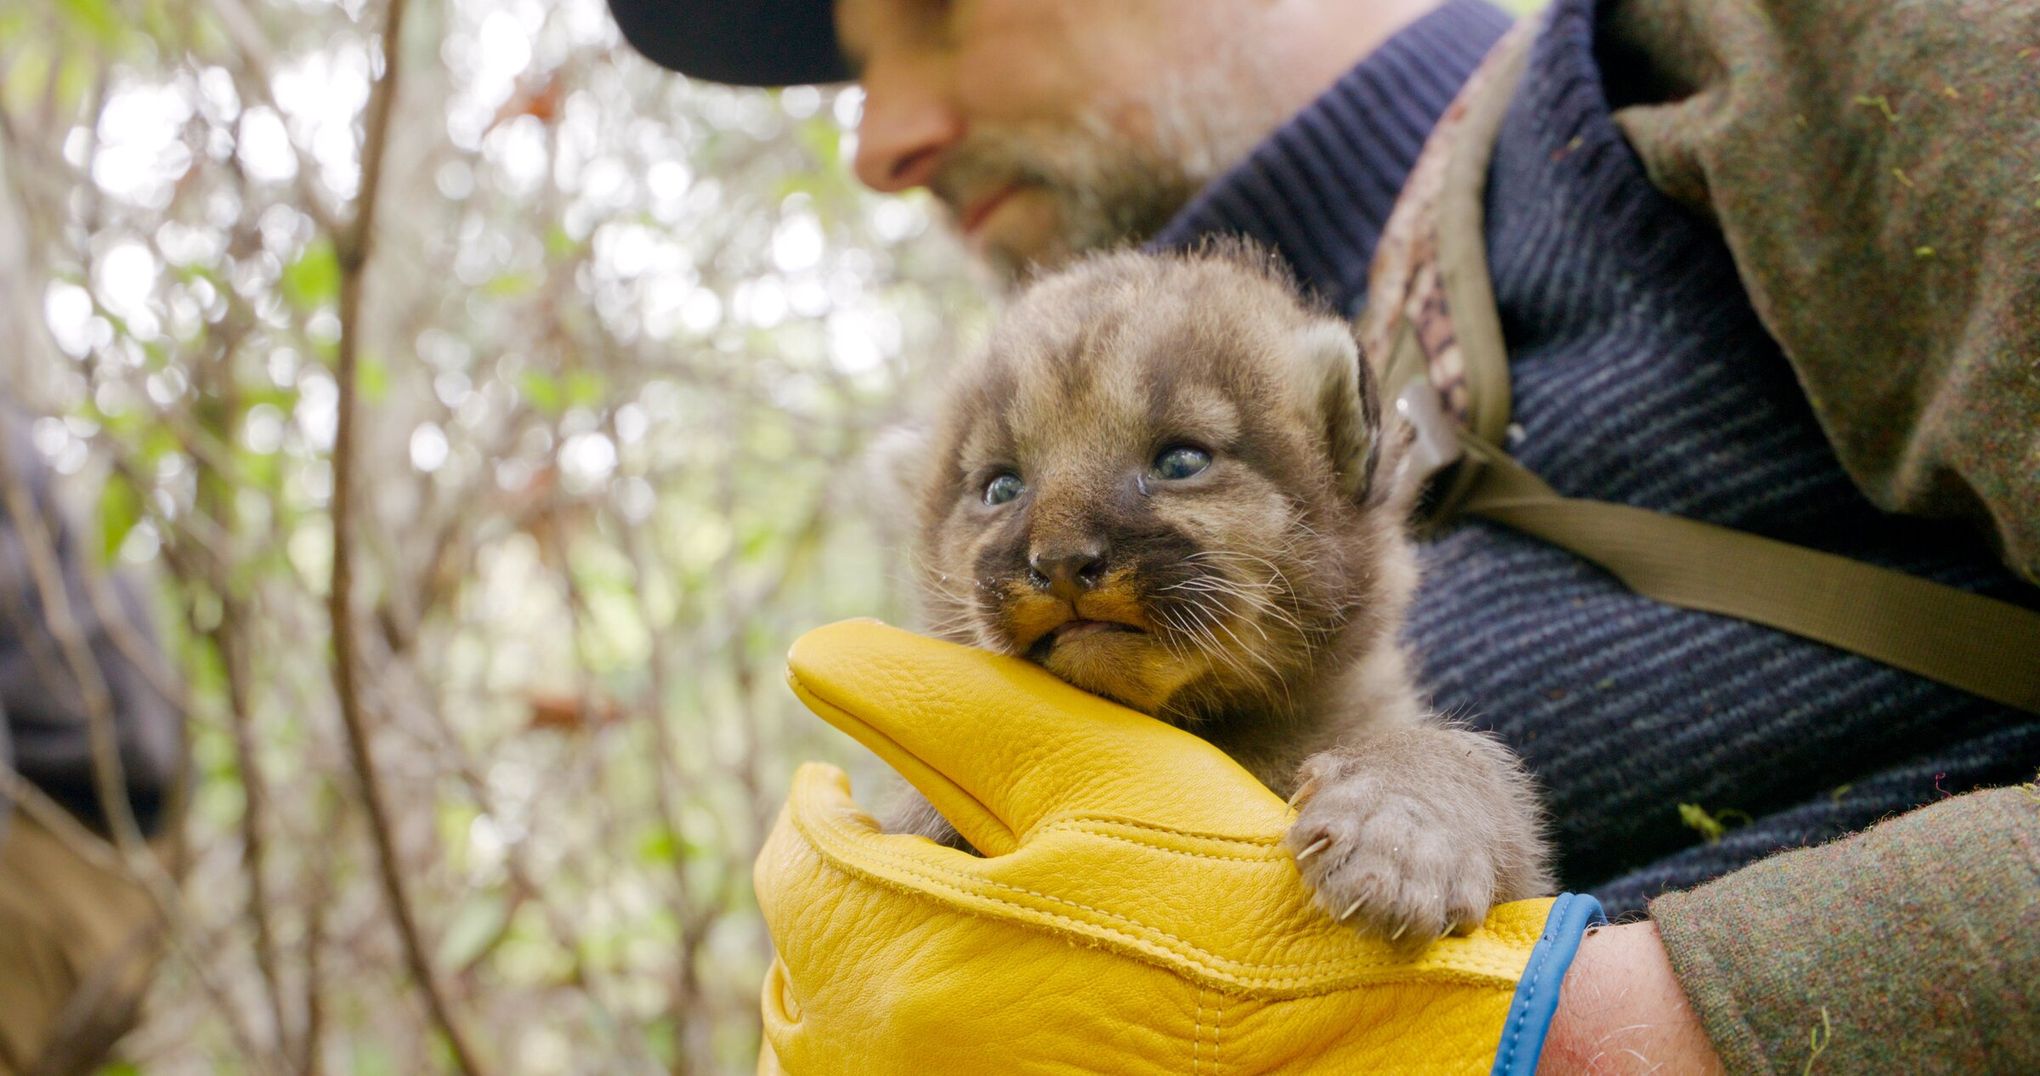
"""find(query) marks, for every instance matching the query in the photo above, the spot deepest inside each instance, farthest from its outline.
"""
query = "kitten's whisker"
(1207, 582)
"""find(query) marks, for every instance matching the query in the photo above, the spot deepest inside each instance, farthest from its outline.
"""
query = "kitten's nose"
(1067, 571)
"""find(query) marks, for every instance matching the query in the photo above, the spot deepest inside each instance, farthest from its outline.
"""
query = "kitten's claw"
(1381, 855)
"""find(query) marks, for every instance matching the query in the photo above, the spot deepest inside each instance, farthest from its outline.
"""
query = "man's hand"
(1134, 912)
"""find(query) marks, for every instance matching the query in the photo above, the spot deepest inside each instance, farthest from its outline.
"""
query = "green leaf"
(510, 286)
(1711, 824)
(374, 379)
(478, 923)
(26, 75)
(75, 78)
(559, 246)
(96, 18)
(371, 1058)
(156, 442)
(260, 470)
(543, 390)
(281, 398)
(659, 848)
(313, 280)
(120, 508)
(585, 388)
(1697, 819)
(823, 140)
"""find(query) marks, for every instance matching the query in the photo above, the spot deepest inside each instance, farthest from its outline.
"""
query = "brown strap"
(1980, 645)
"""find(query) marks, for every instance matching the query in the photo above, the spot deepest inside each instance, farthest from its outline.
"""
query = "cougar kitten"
(1165, 480)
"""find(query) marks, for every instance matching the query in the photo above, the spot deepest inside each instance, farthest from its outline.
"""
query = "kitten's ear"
(893, 475)
(1341, 391)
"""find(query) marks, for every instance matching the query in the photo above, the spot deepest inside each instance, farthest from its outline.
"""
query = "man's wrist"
(1623, 1011)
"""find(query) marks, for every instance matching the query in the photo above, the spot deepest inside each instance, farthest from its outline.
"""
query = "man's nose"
(907, 126)
(1067, 571)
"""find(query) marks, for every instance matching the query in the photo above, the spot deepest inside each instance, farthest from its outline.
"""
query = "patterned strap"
(1430, 326)
(1433, 330)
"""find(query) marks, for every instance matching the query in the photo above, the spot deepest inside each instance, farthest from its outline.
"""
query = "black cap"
(741, 42)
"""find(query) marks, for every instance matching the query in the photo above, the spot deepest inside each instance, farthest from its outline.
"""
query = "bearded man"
(1773, 267)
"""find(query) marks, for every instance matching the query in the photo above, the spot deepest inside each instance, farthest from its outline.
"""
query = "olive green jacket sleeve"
(1875, 168)
(1911, 947)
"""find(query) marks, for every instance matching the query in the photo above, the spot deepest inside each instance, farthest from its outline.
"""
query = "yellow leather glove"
(1134, 911)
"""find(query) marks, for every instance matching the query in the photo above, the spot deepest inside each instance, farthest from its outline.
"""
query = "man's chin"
(1025, 235)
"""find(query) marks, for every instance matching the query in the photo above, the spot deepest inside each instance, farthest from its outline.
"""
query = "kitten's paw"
(1379, 854)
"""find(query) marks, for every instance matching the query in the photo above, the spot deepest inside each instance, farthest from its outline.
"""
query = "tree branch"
(255, 68)
(310, 1060)
(352, 248)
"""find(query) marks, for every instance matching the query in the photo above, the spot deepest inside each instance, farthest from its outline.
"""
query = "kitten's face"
(1156, 484)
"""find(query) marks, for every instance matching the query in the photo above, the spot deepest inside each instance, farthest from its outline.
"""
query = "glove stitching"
(1263, 856)
(1129, 931)
(1197, 1036)
(1131, 823)
(1217, 1028)
(1209, 963)
(1308, 976)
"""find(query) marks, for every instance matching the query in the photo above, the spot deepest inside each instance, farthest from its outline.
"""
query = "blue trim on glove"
(1536, 1000)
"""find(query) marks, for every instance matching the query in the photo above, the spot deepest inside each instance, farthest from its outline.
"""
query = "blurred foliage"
(623, 338)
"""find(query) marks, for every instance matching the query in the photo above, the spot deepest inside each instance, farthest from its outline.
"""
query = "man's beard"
(1105, 189)
(1110, 185)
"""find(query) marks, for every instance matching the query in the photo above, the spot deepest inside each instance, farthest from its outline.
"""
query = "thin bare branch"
(254, 806)
(352, 247)
(256, 67)
(310, 1056)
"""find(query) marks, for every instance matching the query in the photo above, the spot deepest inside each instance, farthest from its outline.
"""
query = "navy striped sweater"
(1640, 375)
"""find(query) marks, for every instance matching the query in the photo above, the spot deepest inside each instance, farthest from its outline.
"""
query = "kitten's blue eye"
(1181, 461)
(1002, 488)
